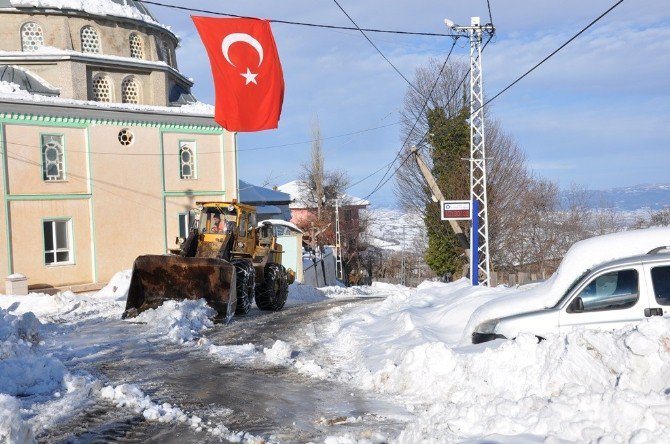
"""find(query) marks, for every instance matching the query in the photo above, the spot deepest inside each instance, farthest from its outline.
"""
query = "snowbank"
(25, 371)
(586, 386)
(12, 427)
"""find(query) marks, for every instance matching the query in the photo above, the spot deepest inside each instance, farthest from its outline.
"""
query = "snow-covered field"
(409, 346)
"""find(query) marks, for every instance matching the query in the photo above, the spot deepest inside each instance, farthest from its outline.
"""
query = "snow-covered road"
(246, 391)
(369, 364)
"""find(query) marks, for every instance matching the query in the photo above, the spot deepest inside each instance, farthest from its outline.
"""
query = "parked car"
(607, 297)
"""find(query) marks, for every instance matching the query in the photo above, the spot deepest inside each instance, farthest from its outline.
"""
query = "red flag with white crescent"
(248, 76)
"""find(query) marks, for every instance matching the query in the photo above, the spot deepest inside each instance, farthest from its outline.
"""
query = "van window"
(611, 291)
(660, 277)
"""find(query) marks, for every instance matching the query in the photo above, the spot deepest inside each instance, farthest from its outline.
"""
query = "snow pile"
(279, 354)
(582, 256)
(586, 386)
(95, 7)
(24, 370)
(127, 395)
(12, 427)
(179, 321)
(117, 287)
(304, 294)
(65, 307)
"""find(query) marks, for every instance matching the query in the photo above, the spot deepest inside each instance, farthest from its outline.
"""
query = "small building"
(103, 147)
(304, 211)
(269, 203)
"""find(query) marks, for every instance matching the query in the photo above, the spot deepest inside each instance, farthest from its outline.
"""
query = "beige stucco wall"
(3, 235)
(230, 160)
(127, 203)
(127, 197)
(28, 241)
(65, 33)
(25, 160)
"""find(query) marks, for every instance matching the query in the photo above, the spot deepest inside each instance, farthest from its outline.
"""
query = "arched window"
(32, 37)
(102, 89)
(52, 158)
(187, 160)
(163, 51)
(136, 47)
(90, 40)
(130, 90)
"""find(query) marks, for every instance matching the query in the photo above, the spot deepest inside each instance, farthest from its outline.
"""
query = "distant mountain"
(637, 197)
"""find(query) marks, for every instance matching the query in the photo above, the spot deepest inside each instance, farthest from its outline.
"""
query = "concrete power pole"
(480, 268)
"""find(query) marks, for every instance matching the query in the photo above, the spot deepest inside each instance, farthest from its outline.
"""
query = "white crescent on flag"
(241, 37)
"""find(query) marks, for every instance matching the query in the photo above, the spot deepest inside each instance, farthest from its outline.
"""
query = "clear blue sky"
(596, 115)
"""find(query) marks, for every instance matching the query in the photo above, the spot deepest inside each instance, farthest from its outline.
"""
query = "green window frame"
(58, 241)
(188, 165)
(52, 153)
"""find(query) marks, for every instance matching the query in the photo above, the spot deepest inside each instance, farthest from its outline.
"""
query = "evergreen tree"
(450, 141)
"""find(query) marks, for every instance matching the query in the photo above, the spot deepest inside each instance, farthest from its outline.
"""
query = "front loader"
(227, 259)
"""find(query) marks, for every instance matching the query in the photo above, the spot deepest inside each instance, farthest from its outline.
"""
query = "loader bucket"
(158, 278)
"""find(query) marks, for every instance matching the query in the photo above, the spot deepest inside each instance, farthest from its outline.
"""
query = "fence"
(319, 271)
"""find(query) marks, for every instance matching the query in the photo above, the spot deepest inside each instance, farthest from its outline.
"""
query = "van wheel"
(273, 292)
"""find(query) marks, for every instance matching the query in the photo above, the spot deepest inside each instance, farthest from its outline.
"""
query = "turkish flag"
(247, 72)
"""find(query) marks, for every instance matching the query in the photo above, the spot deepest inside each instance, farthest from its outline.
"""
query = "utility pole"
(480, 263)
(339, 269)
(402, 277)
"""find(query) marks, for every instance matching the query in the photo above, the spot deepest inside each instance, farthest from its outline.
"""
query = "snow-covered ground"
(408, 345)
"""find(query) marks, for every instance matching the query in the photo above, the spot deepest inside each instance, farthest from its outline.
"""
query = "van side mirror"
(576, 306)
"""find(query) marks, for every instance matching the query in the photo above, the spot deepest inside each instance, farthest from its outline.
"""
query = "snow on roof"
(12, 91)
(47, 51)
(116, 8)
(582, 256)
(300, 195)
(250, 193)
(290, 225)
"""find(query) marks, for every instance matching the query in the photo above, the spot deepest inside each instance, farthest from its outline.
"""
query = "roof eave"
(92, 112)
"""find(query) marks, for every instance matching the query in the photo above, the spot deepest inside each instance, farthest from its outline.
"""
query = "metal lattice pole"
(478, 148)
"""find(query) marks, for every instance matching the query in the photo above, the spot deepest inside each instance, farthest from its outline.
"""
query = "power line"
(488, 4)
(285, 145)
(377, 48)
(584, 29)
(383, 182)
(416, 121)
(287, 22)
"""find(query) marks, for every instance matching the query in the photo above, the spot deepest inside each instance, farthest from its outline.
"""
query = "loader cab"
(218, 220)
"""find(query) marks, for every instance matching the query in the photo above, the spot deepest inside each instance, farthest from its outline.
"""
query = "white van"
(607, 297)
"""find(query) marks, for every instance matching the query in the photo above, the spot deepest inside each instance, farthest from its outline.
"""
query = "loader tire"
(246, 282)
(272, 293)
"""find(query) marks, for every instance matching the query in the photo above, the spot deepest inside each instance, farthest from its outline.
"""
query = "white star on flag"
(250, 77)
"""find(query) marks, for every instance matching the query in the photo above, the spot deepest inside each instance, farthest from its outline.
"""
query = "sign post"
(456, 210)
(474, 245)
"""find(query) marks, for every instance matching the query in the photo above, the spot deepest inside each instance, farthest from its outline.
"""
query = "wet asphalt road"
(275, 403)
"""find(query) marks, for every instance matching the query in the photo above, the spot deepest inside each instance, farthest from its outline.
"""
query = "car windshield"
(571, 287)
